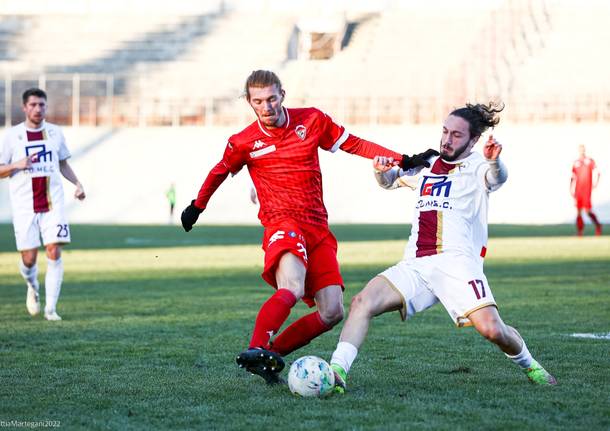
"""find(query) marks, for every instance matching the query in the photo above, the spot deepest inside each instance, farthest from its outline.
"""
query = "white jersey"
(451, 211)
(39, 188)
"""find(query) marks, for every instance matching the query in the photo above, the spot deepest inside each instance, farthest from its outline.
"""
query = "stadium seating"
(569, 72)
(216, 66)
(403, 62)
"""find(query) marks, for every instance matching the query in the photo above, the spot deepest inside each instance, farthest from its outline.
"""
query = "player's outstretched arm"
(364, 148)
(367, 149)
(214, 179)
(68, 173)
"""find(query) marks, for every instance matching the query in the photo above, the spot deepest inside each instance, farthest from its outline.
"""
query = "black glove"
(190, 215)
(417, 160)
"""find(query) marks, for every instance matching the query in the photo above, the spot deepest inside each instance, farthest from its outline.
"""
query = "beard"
(456, 154)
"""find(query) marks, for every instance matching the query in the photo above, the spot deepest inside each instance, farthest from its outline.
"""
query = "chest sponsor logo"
(301, 132)
(42, 162)
(263, 151)
(40, 152)
(435, 186)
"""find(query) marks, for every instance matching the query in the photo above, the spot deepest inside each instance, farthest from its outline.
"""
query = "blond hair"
(260, 79)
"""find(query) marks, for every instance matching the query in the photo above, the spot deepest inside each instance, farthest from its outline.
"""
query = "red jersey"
(582, 174)
(284, 165)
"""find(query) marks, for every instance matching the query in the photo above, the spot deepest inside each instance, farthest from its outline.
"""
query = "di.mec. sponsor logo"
(41, 160)
(434, 186)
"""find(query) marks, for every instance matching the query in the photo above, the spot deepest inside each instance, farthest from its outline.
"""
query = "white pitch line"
(594, 336)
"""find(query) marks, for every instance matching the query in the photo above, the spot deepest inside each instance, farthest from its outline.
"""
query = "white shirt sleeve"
(5, 149)
(496, 174)
(64, 153)
(395, 178)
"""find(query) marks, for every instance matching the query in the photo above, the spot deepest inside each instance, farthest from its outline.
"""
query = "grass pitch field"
(154, 317)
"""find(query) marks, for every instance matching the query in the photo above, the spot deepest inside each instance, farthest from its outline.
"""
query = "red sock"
(299, 334)
(580, 224)
(593, 218)
(271, 316)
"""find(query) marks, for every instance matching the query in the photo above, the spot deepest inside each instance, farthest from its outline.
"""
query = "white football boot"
(52, 316)
(32, 300)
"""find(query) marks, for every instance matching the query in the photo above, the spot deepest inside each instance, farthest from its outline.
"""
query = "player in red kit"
(280, 150)
(585, 177)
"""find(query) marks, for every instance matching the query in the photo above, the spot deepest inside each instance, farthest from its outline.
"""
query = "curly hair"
(480, 117)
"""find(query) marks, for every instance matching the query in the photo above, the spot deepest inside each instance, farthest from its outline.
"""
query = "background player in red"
(585, 177)
(280, 150)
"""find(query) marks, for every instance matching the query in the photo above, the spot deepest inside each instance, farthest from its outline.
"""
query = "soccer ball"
(311, 376)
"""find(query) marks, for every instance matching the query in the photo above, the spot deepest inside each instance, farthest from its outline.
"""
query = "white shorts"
(457, 281)
(52, 226)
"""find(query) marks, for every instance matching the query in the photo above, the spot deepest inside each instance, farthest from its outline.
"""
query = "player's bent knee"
(333, 315)
(29, 261)
(53, 251)
(291, 282)
(29, 258)
(493, 332)
(361, 304)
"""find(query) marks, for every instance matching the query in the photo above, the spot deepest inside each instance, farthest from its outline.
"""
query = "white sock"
(30, 275)
(523, 359)
(344, 355)
(55, 275)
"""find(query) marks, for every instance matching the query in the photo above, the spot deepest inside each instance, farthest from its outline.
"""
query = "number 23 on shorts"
(62, 231)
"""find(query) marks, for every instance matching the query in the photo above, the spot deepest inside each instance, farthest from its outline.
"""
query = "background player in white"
(33, 155)
(443, 259)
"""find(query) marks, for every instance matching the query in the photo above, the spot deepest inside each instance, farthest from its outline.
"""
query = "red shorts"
(316, 247)
(583, 201)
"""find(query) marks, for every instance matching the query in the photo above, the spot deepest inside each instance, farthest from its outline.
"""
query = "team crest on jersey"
(301, 131)
(435, 186)
(40, 150)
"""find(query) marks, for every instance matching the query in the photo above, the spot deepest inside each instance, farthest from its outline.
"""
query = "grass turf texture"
(152, 325)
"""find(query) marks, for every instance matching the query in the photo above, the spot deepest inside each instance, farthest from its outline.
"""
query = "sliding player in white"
(443, 259)
(33, 155)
